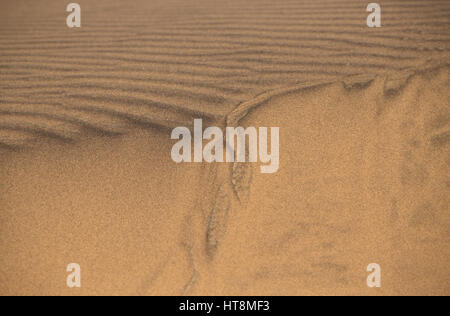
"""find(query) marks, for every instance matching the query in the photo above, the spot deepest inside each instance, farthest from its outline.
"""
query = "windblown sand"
(87, 177)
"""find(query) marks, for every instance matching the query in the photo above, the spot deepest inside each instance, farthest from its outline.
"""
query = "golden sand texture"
(364, 177)
(163, 63)
(87, 177)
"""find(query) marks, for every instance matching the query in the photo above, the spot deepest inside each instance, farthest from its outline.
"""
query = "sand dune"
(85, 120)
(364, 175)
(166, 62)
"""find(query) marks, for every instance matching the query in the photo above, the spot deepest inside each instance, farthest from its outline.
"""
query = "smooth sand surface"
(85, 167)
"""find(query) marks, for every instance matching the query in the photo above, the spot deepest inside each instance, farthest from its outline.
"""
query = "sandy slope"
(85, 152)
(364, 177)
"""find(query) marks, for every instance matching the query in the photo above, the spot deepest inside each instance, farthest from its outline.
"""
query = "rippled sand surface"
(85, 167)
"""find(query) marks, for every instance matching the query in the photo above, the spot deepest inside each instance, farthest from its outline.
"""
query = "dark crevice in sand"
(217, 221)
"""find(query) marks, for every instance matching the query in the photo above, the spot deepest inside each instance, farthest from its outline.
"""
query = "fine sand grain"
(87, 177)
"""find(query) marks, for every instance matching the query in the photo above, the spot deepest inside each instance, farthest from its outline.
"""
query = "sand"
(85, 122)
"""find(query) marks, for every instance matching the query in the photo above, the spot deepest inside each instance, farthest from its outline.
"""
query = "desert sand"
(87, 177)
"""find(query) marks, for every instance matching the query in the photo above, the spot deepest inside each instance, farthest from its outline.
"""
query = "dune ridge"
(391, 187)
